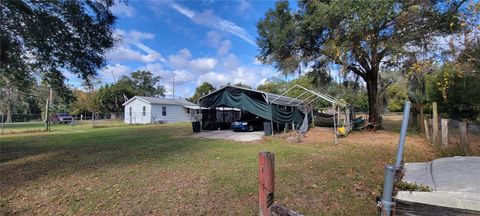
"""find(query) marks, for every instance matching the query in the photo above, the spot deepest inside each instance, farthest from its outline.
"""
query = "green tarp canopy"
(264, 105)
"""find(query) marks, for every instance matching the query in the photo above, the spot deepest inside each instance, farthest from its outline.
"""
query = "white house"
(146, 110)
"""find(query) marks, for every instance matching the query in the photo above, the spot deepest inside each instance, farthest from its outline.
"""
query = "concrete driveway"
(231, 135)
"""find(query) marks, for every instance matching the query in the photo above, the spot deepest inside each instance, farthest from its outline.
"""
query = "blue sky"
(195, 41)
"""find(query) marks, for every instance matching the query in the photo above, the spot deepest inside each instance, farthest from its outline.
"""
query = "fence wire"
(25, 123)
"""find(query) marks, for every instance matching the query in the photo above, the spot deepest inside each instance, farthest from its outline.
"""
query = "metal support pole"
(338, 115)
(2, 122)
(334, 124)
(271, 115)
(388, 190)
(403, 134)
(47, 108)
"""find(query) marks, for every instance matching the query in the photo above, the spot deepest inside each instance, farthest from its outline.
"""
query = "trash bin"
(267, 128)
(196, 127)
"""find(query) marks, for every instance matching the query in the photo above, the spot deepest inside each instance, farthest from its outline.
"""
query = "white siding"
(175, 113)
(136, 116)
(153, 114)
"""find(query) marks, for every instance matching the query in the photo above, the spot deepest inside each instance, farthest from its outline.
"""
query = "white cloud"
(122, 9)
(181, 76)
(203, 64)
(185, 11)
(180, 60)
(113, 72)
(208, 18)
(126, 54)
(224, 47)
(183, 61)
(214, 39)
(231, 62)
(132, 48)
(214, 78)
(244, 6)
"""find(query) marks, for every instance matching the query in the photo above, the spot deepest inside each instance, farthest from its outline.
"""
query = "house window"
(130, 111)
(188, 110)
(164, 110)
(144, 110)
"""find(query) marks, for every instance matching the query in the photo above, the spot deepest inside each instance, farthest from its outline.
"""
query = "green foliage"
(405, 186)
(456, 92)
(397, 95)
(274, 86)
(111, 97)
(359, 36)
(201, 91)
(84, 102)
(142, 83)
(242, 85)
(61, 36)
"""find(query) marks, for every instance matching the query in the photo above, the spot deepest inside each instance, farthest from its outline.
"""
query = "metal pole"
(46, 116)
(388, 190)
(2, 122)
(334, 124)
(403, 134)
(271, 115)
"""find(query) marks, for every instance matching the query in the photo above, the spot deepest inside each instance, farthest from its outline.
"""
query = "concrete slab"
(455, 182)
(231, 135)
(452, 174)
(447, 199)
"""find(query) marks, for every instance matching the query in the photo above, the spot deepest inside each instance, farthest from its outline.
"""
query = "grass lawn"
(39, 126)
(160, 169)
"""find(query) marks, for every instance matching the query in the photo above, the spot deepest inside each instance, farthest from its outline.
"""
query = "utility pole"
(47, 126)
(173, 86)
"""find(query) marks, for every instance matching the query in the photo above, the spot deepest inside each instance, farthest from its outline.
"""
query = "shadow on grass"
(27, 158)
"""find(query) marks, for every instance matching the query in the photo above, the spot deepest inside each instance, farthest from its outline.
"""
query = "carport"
(277, 111)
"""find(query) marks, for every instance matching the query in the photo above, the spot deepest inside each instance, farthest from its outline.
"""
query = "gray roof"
(164, 101)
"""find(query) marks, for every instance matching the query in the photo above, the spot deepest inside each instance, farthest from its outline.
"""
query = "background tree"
(44, 38)
(201, 91)
(111, 97)
(397, 94)
(359, 36)
(454, 85)
(275, 86)
(242, 85)
(143, 83)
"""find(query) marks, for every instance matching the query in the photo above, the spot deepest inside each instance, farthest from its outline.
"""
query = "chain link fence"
(26, 123)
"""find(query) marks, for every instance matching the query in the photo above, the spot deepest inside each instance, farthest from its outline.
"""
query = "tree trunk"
(422, 117)
(372, 91)
(113, 115)
(9, 114)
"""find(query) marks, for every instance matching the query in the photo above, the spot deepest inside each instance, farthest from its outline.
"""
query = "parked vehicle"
(61, 118)
(250, 124)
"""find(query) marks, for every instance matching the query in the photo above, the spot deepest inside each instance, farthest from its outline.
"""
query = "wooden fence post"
(427, 131)
(266, 180)
(444, 132)
(435, 123)
(462, 126)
